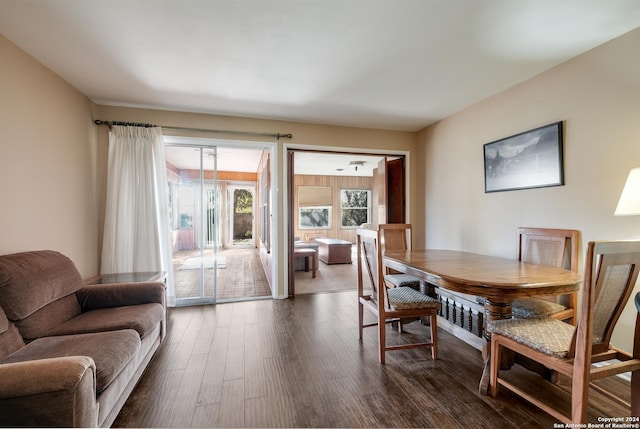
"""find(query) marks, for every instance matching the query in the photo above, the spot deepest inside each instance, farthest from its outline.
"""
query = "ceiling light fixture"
(356, 164)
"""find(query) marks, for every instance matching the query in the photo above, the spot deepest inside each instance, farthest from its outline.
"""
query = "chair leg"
(579, 392)
(494, 361)
(382, 337)
(635, 393)
(434, 336)
(396, 324)
(360, 320)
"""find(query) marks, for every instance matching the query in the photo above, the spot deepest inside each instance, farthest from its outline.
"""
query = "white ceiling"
(331, 164)
(400, 64)
(230, 158)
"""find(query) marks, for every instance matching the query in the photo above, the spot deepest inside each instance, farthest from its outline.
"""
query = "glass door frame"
(271, 147)
(201, 230)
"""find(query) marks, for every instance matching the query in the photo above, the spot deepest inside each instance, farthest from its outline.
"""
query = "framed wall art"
(533, 159)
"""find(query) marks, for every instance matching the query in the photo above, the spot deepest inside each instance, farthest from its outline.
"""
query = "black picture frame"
(532, 159)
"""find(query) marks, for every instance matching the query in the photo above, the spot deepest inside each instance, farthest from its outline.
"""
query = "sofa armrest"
(49, 392)
(119, 294)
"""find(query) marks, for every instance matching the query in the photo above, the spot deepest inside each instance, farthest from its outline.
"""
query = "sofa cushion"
(93, 297)
(141, 318)
(10, 339)
(30, 281)
(111, 351)
(39, 323)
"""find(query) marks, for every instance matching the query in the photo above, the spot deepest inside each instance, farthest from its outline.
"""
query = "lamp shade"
(629, 203)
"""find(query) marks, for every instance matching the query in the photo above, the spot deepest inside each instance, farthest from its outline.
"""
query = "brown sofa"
(70, 354)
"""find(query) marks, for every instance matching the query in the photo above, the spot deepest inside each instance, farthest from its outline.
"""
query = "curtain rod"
(204, 130)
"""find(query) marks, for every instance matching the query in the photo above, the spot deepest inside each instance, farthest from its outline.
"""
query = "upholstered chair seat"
(402, 280)
(406, 298)
(535, 307)
(547, 335)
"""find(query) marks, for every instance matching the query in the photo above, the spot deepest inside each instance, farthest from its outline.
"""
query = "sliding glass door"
(194, 200)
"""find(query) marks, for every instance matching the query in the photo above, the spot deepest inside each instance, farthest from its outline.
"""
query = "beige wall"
(304, 136)
(47, 163)
(597, 95)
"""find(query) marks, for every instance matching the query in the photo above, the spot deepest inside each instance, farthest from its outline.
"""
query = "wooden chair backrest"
(395, 236)
(611, 271)
(370, 257)
(552, 247)
(549, 246)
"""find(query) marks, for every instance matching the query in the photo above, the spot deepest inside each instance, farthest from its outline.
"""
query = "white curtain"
(136, 230)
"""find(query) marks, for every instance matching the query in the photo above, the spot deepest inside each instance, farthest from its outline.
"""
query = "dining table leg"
(494, 310)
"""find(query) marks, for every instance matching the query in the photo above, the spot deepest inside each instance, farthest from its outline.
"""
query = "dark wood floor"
(298, 363)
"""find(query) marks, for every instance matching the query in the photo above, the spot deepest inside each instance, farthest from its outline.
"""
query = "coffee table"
(334, 251)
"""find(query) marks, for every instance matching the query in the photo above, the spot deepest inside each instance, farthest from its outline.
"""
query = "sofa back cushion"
(10, 339)
(37, 290)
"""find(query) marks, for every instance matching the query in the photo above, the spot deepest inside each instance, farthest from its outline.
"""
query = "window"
(315, 217)
(314, 204)
(356, 207)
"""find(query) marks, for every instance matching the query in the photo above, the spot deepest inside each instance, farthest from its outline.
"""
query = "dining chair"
(397, 236)
(556, 248)
(611, 271)
(388, 304)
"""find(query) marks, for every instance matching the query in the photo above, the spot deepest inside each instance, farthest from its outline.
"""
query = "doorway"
(241, 215)
(211, 211)
(331, 194)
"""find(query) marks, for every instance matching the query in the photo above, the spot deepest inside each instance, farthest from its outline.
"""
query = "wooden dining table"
(498, 280)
